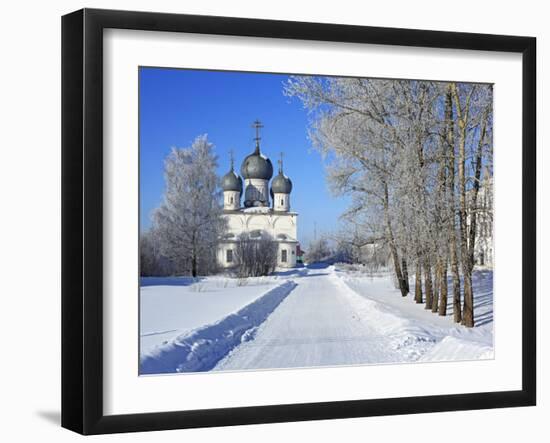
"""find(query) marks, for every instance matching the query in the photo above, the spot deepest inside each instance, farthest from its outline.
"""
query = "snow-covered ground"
(173, 306)
(202, 348)
(316, 316)
(424, 335)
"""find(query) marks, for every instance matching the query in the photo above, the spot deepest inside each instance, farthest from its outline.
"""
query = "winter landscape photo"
(300, 221)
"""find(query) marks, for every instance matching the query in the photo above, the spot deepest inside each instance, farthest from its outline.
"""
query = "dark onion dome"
(257, 165)
(281, 184)
(232, 182)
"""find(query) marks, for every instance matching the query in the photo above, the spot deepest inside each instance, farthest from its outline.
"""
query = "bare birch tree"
(188, 221)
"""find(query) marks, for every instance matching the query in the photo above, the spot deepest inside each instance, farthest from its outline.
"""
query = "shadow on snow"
(201, 349)
(169, 281)
(482, 282)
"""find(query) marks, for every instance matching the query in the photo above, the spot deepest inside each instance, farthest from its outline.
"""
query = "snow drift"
(418, 334)
(454, 349)
(173, 306)
(202, 348)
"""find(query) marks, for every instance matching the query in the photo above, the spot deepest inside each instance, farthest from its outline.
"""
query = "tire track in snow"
(316, 325)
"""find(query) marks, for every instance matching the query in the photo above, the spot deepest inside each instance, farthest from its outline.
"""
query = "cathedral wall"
(273, 224)
(282, 227)
(222, 255)
(261, 222)
(235, 224)
(286, 257)
(285, 224)
(286, 254)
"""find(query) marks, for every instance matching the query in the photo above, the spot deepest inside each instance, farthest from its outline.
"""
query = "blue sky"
(177, 105)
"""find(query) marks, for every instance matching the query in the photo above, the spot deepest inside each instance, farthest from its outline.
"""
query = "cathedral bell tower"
(232, 186)
(281, 186)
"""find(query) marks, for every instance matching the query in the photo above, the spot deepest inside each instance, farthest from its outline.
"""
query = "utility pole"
(314, 231)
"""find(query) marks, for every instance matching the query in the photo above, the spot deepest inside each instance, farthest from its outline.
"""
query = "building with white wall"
(483, 207)
(265, 211)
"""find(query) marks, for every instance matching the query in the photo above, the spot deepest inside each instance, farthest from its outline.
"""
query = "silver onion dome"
(281, 184)
(232, 182)
(257, 165)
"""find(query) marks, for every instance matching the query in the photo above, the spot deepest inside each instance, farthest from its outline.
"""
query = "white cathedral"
(258, 216)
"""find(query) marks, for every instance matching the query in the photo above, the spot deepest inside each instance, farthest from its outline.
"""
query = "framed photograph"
(269, 221)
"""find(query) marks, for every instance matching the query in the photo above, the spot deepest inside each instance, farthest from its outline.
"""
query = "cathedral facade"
(263, 211)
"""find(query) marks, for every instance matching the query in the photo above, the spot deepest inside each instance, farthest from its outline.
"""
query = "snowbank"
(454, 349)
(202, 348)
(172, 306)
(416, 333)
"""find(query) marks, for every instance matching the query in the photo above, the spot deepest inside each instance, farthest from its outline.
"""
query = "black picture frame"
(82, 218)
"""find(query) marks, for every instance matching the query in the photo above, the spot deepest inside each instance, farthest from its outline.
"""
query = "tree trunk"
(462, 120)
(405, 270)
(441, 212)
(468, 312)
(428, 288)
(443, 291)
(391, 241)
(194, 265)
(457, 303)
(453, 253)
(397, 268)
(418, 283)
(437, 282)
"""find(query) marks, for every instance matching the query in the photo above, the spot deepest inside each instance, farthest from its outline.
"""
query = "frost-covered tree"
(188, 222)
(355, 122)
(151, 260)
(409, 154)
(318, 250)
(473, 105)
(148, 255)
(356, 243)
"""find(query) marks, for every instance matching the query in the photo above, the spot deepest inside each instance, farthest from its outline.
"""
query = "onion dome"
(231, 181)
(257, 165)
(281, 184)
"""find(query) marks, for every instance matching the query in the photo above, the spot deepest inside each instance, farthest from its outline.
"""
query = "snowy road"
(309, 317)
(317, 324)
